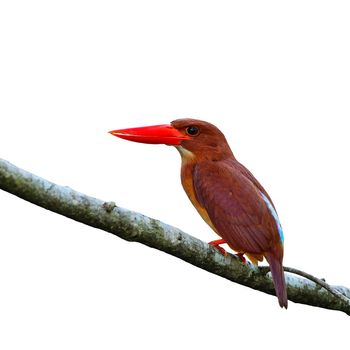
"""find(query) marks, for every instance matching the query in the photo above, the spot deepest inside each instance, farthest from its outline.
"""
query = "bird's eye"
(192, 130)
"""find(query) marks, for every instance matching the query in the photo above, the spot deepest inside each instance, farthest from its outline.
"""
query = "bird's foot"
(242, 258)
(216, 244)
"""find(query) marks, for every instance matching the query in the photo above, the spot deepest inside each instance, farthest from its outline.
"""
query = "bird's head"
(192, 137)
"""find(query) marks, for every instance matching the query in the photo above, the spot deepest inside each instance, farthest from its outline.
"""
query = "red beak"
(164, 134)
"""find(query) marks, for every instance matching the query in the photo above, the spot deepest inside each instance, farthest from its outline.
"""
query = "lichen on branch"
(136, 227)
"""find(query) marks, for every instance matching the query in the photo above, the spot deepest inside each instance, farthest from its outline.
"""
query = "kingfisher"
(225, 193)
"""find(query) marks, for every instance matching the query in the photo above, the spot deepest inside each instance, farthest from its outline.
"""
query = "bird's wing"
(235, 206)
(246, 173)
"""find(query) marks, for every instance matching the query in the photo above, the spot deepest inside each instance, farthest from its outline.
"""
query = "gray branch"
(136, 227)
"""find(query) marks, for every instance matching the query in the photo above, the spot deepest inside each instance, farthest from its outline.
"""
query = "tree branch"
(136, 227)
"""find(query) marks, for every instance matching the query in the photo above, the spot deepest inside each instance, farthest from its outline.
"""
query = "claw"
(242, 258)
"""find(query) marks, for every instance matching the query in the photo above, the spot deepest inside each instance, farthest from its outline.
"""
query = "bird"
(225, 193)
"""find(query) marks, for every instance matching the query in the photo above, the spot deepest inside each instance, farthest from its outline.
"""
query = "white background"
(272, 75)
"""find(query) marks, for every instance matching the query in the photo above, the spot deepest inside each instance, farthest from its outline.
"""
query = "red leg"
(217, 243)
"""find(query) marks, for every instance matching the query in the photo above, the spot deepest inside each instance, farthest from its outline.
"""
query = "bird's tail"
(278, 279)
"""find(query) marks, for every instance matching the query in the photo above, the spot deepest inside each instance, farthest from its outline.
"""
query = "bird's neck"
(188, 156)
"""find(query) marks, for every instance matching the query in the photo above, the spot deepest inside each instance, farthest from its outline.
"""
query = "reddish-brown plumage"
(227, 195)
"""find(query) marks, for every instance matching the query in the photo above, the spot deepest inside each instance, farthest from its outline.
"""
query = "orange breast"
(187, 184)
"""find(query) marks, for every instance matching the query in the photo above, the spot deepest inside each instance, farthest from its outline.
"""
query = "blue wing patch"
(275, 216)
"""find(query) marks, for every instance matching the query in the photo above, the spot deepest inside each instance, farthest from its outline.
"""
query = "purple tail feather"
(278, 279)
